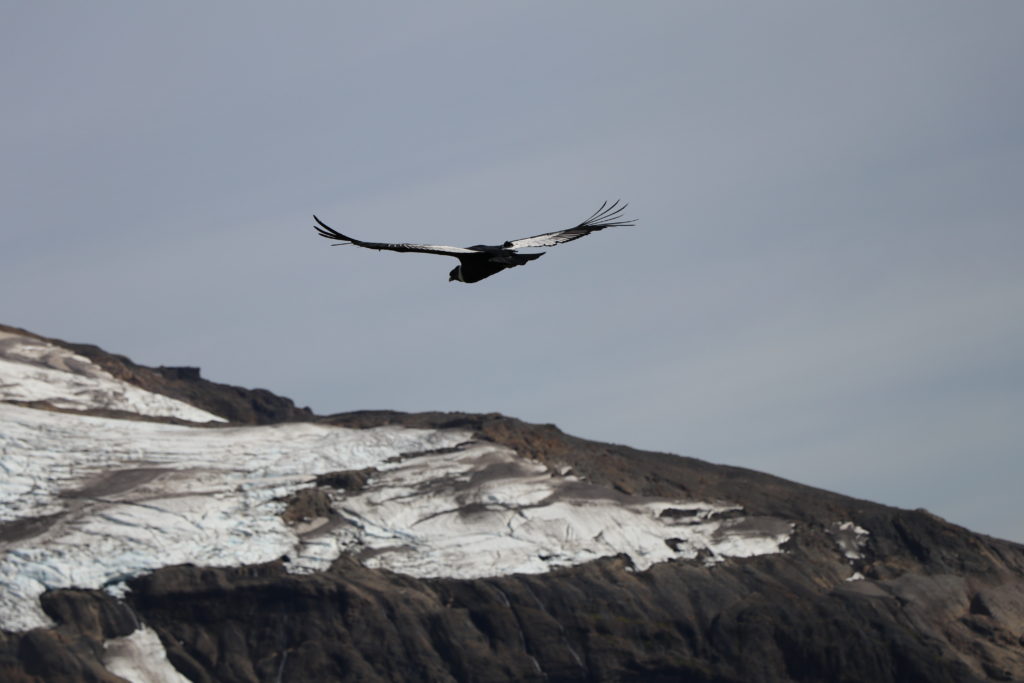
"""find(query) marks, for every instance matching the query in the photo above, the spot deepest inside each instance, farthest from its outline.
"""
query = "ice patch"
(851, 540)
(34, 370)
(140, 657)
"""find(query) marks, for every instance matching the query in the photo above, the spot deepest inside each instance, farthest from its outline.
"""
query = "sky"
(824, 282)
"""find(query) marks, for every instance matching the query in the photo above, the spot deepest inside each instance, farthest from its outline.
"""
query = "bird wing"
(330, 233)
(605, 217)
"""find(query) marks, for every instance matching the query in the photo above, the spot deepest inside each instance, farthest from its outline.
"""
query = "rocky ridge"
(858, 592)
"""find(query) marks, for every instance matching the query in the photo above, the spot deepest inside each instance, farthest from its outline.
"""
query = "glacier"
(90, 502)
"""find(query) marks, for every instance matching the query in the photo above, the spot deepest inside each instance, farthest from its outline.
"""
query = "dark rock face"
(350, 480)
(73, 650)
(187, 373)
(936, 602)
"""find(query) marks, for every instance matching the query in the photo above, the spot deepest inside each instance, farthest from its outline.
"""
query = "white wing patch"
(435, 248)
(548, 239)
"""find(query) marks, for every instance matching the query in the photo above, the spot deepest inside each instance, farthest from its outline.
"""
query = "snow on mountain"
(34, 370)
(116, 498)
(850, 538)
(89, 502)
(482, 510)
(140, 657)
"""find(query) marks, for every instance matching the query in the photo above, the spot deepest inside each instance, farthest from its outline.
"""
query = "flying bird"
(481, 261)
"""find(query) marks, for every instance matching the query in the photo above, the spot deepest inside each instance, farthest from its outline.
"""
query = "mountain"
(156, 526)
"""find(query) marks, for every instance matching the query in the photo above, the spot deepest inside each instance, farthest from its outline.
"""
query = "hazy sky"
(825, 282)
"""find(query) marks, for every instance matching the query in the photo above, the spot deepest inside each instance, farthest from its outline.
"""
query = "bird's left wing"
(330, 233)
(605, 217)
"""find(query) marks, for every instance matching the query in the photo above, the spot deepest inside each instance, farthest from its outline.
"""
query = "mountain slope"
(444, 546)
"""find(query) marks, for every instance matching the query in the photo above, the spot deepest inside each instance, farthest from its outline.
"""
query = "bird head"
(456, 274)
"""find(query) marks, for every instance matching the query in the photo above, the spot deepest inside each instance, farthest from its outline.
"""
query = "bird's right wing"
(605, 217)
(330, 233)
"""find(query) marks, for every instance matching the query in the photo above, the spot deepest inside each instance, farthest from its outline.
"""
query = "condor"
(481, 261)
